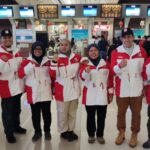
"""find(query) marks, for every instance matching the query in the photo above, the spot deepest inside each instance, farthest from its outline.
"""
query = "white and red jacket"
(10, 84)
(65, 73)
(129, 81)
(146, 76)
(97, 84)
(37, 80)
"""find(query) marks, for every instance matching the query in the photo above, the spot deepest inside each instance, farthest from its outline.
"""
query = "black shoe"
(147, 144)
(11, 139)
(36, 136)
(72, 136)
(48, 136)
(20, 130)
(64, 135)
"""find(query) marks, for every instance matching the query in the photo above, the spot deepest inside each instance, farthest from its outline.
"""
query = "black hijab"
(34, 45)
(96, 61)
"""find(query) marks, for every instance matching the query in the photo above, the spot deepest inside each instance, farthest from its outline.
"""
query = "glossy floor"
(24, 142)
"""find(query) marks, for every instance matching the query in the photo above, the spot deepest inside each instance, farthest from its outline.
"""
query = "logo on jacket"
(120, 57)
(76, 59)
(61, 64)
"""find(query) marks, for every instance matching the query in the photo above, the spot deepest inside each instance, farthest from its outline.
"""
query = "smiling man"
(11, 87)
(127, 64)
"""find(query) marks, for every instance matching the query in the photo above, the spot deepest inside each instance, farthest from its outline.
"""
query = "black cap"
(6, 32)
(127, 31)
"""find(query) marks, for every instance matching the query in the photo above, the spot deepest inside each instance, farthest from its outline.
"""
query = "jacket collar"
(44, 60)
(102, 63)
(64, 56)
(136, 49)
(4, 50)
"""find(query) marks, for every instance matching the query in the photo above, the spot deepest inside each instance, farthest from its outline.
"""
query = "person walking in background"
(35, 71)
(64, 71)
(11, 88)
(97, 92)
(127, 63)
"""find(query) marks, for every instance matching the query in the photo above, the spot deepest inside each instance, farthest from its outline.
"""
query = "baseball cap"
(127, 31)
(6, 32)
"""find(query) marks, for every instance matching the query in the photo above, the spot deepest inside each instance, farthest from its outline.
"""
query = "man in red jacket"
(11, 88)
(127, 64)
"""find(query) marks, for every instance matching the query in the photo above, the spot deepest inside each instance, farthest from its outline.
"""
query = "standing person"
(97, 92)
(11, 88)
(103, 44)
(72, 43)
(127, 64)
(35, 71)
(64, 71)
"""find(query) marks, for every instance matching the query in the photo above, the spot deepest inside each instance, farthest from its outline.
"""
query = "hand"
(4, 58)
(55, 58)
(88, 69)
(123, 64)
(110, 98)
(85, 62)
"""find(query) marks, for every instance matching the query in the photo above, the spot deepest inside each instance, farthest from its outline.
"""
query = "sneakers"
(20, 130)
(48, 136)
(11, 138)
(91, 139)
(101, 140)
(147, 144)
(72, 136)
(120, 138)
(133, 140)
(36, 136)
(69, 135)
(64, 135)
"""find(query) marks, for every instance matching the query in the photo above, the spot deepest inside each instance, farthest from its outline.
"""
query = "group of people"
(65, 76)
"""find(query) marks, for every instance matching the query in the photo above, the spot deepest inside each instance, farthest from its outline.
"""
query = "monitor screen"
(90, 10)
(132, 10)
(26, 11)
(67, 11)
(148, 11)
(6, 11)
(24, 35)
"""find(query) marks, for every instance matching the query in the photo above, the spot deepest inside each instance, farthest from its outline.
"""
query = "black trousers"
(36, 109)
(92, 127)
(148, 122)
(11, 109)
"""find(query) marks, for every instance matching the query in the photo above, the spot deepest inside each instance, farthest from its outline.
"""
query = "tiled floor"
(24, 142)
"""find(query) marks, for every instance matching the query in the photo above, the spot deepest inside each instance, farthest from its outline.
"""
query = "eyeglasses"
(38, 48)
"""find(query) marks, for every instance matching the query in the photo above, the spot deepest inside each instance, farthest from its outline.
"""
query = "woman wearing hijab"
(35, 71)
(97, 92)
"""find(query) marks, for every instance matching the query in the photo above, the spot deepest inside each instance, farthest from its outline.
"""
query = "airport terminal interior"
(51, 20)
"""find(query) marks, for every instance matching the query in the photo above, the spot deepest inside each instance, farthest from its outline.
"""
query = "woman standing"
(35, 71)
(97, 92)
(64, 70)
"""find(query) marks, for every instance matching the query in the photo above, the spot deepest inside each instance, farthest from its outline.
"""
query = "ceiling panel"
(25, 2)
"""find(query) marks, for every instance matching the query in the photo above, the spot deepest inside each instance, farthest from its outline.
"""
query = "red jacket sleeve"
(113, 61)
(21, 71)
